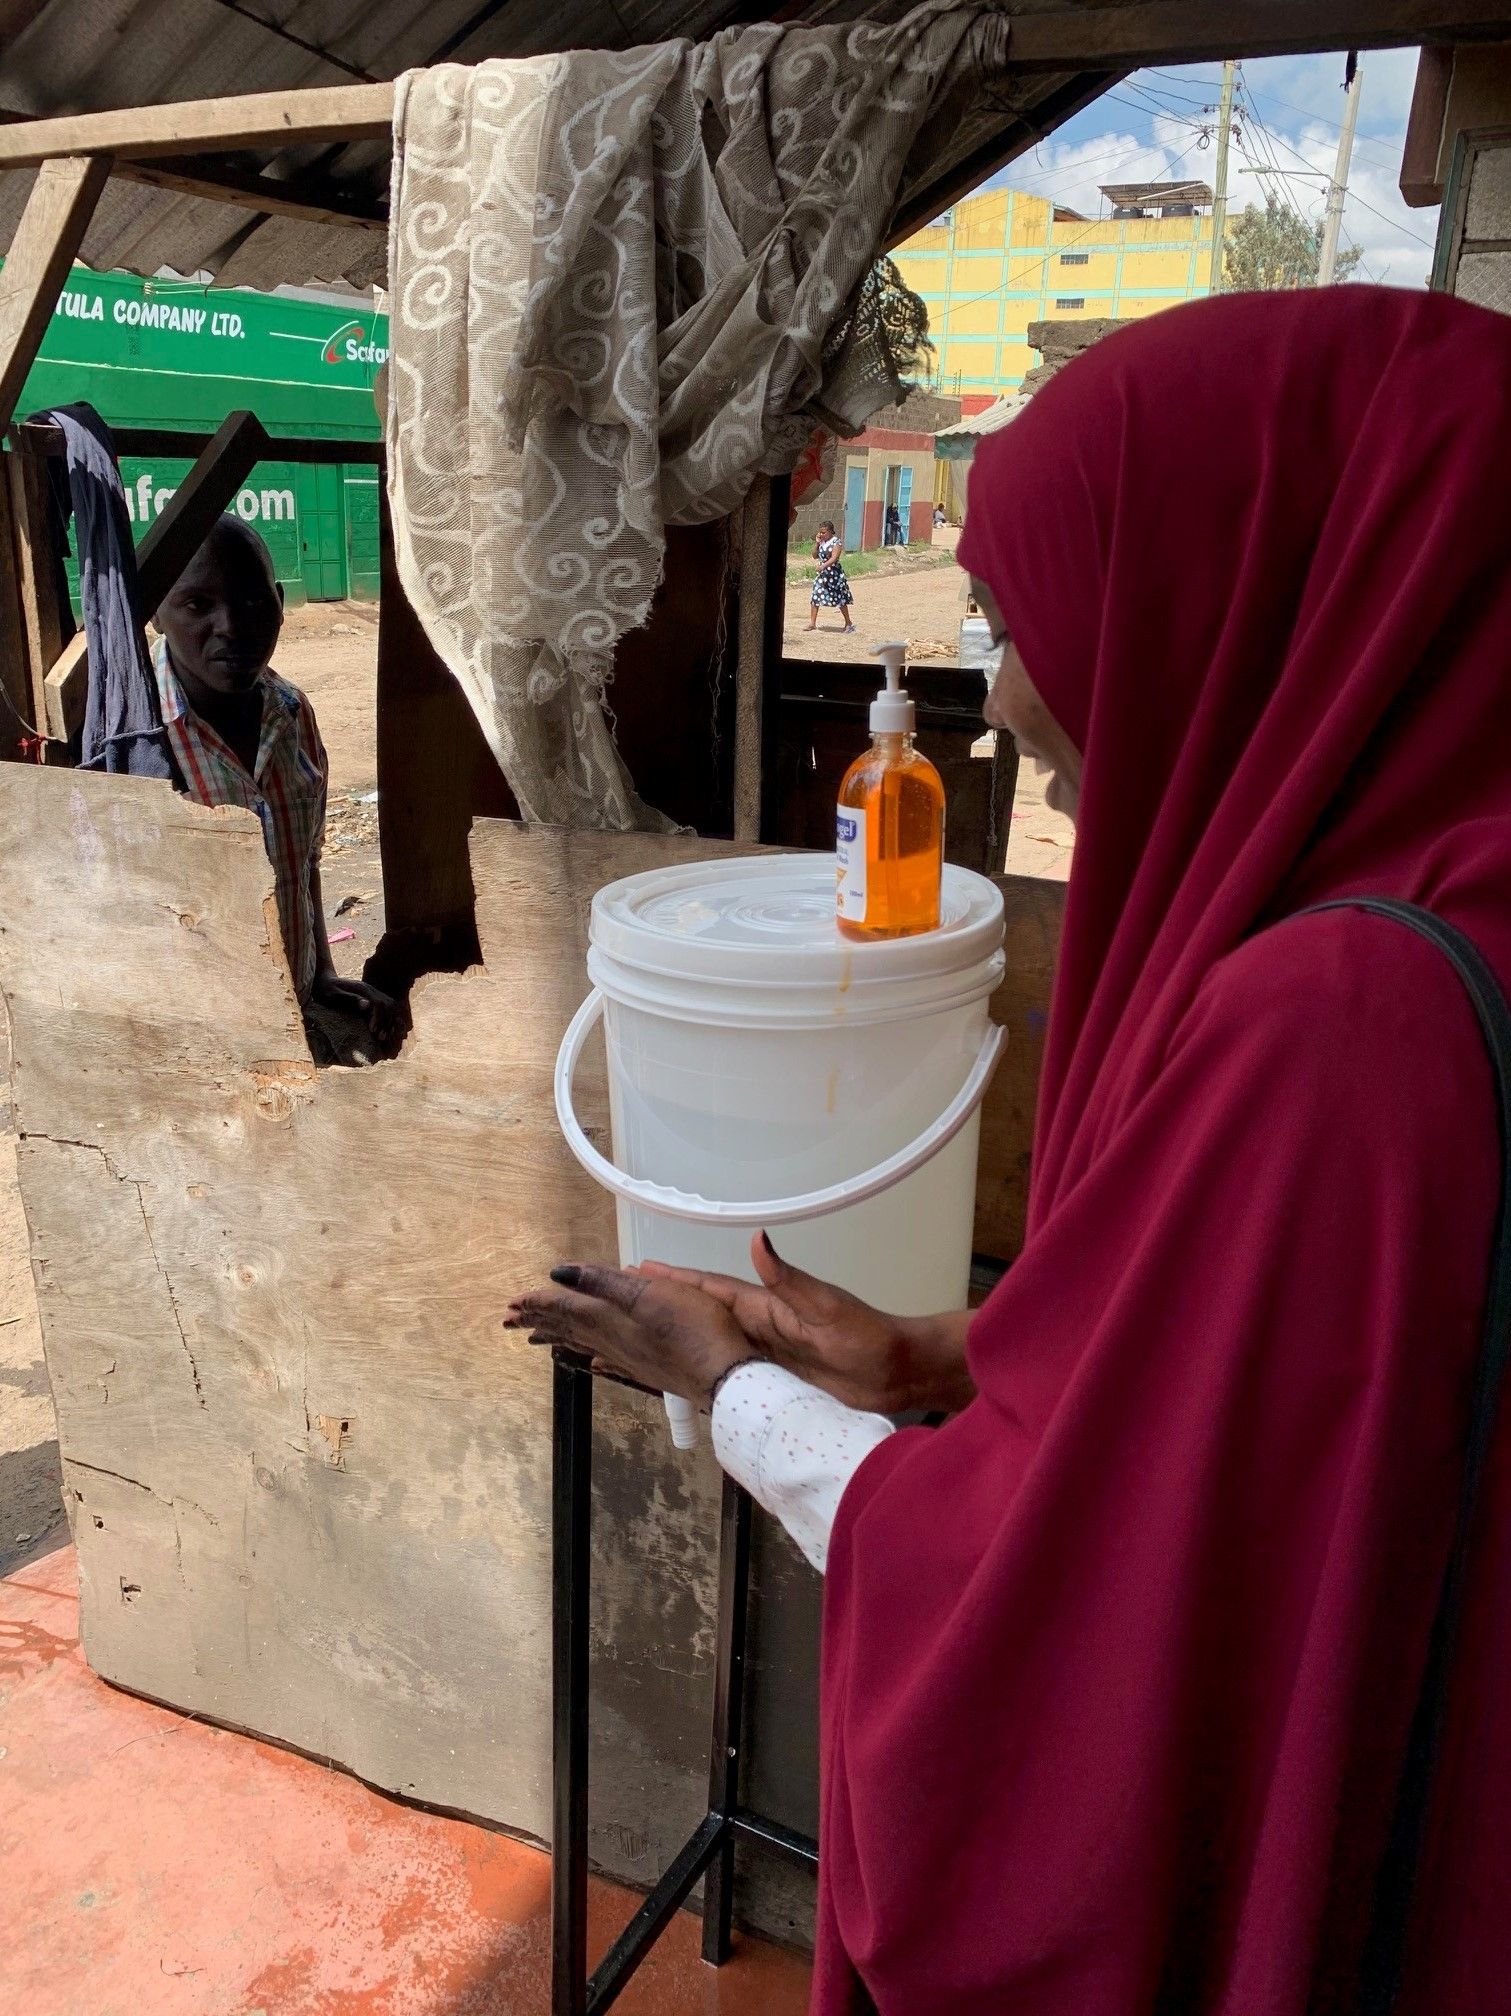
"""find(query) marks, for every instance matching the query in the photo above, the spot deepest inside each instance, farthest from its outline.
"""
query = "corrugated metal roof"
(1155, 193)
(967, 432)
(60, 56)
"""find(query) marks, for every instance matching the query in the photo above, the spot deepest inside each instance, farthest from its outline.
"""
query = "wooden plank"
(216, 182)
(45, 623)
(45, 245)
(65, 689)
(227, 125)
(169, 545)
(750, 659)
(17, 722)
(310, 199)
(1420, 181)
(176, 535)
(271, 1310)
(435, 771)
(1117, 37)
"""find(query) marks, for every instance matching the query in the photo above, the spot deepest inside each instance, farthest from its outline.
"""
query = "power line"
(1271, 142)
(1178, 97)
(1070, 169)
(1269, 162)
(1355, 197)
(1392, 154)
(1157, 111)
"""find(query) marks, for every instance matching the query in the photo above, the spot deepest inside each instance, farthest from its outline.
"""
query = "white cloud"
(1299, 106)
(1396, 241)
(1314, 84)
(1072, 171)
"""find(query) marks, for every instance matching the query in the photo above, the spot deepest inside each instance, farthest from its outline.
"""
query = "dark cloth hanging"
(123, 719)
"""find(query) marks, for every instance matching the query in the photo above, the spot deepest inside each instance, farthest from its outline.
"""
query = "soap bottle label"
(850, 829)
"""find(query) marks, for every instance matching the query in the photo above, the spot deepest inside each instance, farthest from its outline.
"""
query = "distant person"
(242, 736)
(894, 534)
(831, 584)
(939, 518)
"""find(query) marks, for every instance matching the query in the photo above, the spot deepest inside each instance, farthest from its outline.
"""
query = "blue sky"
(1159, 123)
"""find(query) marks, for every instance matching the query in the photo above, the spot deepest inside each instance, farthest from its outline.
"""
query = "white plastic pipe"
(683, 1416)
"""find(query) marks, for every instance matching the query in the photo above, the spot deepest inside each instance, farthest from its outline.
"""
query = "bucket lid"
(768, 920)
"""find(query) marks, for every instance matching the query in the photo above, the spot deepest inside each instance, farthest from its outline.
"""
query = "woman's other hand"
(663, 1333)
(882, 1364)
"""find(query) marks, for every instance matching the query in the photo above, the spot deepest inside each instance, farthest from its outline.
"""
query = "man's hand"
(355, 997)
(883, 1364)
(672, 1338)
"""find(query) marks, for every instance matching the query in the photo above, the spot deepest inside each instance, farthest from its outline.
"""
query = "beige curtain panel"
(623, 285)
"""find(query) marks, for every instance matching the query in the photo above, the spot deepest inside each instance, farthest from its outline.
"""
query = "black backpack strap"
(1385, 1950)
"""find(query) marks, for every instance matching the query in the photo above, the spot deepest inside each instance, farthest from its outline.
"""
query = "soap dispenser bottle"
(890, 823)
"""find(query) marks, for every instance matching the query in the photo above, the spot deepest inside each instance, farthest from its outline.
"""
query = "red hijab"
(1118, 1665)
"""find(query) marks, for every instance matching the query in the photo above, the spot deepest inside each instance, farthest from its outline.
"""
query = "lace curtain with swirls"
(624, 285)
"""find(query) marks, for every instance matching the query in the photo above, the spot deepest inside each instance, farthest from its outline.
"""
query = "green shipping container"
(176, 354)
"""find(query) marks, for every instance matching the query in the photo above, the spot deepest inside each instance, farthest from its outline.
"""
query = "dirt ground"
(330, 649)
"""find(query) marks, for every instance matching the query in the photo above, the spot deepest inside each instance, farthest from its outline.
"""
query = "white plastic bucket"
(766, 1071)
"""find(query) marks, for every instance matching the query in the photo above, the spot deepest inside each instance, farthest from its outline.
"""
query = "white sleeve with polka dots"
(792, 1447)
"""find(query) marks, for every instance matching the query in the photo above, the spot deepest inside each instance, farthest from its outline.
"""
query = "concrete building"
(890, 466)
(1003, 259)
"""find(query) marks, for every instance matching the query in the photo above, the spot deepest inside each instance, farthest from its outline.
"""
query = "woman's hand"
(883, 1364)
(663, 1333)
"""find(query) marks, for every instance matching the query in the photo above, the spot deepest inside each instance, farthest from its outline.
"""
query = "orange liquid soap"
(890, 824)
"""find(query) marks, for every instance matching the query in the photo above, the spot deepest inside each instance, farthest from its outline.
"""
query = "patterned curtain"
(624, 285)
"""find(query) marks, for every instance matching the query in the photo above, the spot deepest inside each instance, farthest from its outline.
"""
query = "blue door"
(855, 506)
(905, 502)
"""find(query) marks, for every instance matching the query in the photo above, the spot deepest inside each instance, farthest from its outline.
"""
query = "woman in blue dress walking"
(831, 585)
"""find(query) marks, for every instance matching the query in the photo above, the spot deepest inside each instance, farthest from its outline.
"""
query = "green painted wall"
(167, 353)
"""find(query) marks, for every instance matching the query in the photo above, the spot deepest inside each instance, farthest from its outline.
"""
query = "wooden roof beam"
(46, 243)
(263, 119)
(311, 199)
(1152, 32)
(1084, 37)
(215, 182)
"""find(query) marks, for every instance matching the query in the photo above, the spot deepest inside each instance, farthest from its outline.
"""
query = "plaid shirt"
(286, 791)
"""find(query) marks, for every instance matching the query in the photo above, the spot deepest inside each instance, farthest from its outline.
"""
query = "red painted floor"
(152, 1866)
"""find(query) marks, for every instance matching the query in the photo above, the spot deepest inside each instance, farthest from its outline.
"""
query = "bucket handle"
(770, 1211)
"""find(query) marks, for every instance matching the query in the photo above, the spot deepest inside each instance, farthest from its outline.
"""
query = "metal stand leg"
(571, 1566)
(709, 1850)
(729, 1716)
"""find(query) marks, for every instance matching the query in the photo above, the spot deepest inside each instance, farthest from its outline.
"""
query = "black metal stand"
(709, 1850)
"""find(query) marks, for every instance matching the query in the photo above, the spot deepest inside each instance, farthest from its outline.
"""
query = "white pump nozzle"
(892, 711)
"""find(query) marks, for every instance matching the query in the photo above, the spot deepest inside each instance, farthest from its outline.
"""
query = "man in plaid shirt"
(240, 735)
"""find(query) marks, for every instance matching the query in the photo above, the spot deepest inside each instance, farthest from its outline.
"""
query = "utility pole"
(1332, 223)
(1220, 192)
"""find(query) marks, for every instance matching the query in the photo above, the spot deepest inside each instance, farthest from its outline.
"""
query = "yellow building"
(1003, 259)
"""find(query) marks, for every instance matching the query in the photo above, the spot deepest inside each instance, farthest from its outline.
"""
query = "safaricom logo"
(147, 499)
(351, 344)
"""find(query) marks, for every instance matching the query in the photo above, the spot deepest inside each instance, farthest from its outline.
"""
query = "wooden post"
(170, 544)
(45, 622)
(46, 243)
(16, 717)
(750, 661)
(435, 773)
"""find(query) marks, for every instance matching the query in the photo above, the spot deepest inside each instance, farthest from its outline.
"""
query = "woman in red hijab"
(1120, 1663)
